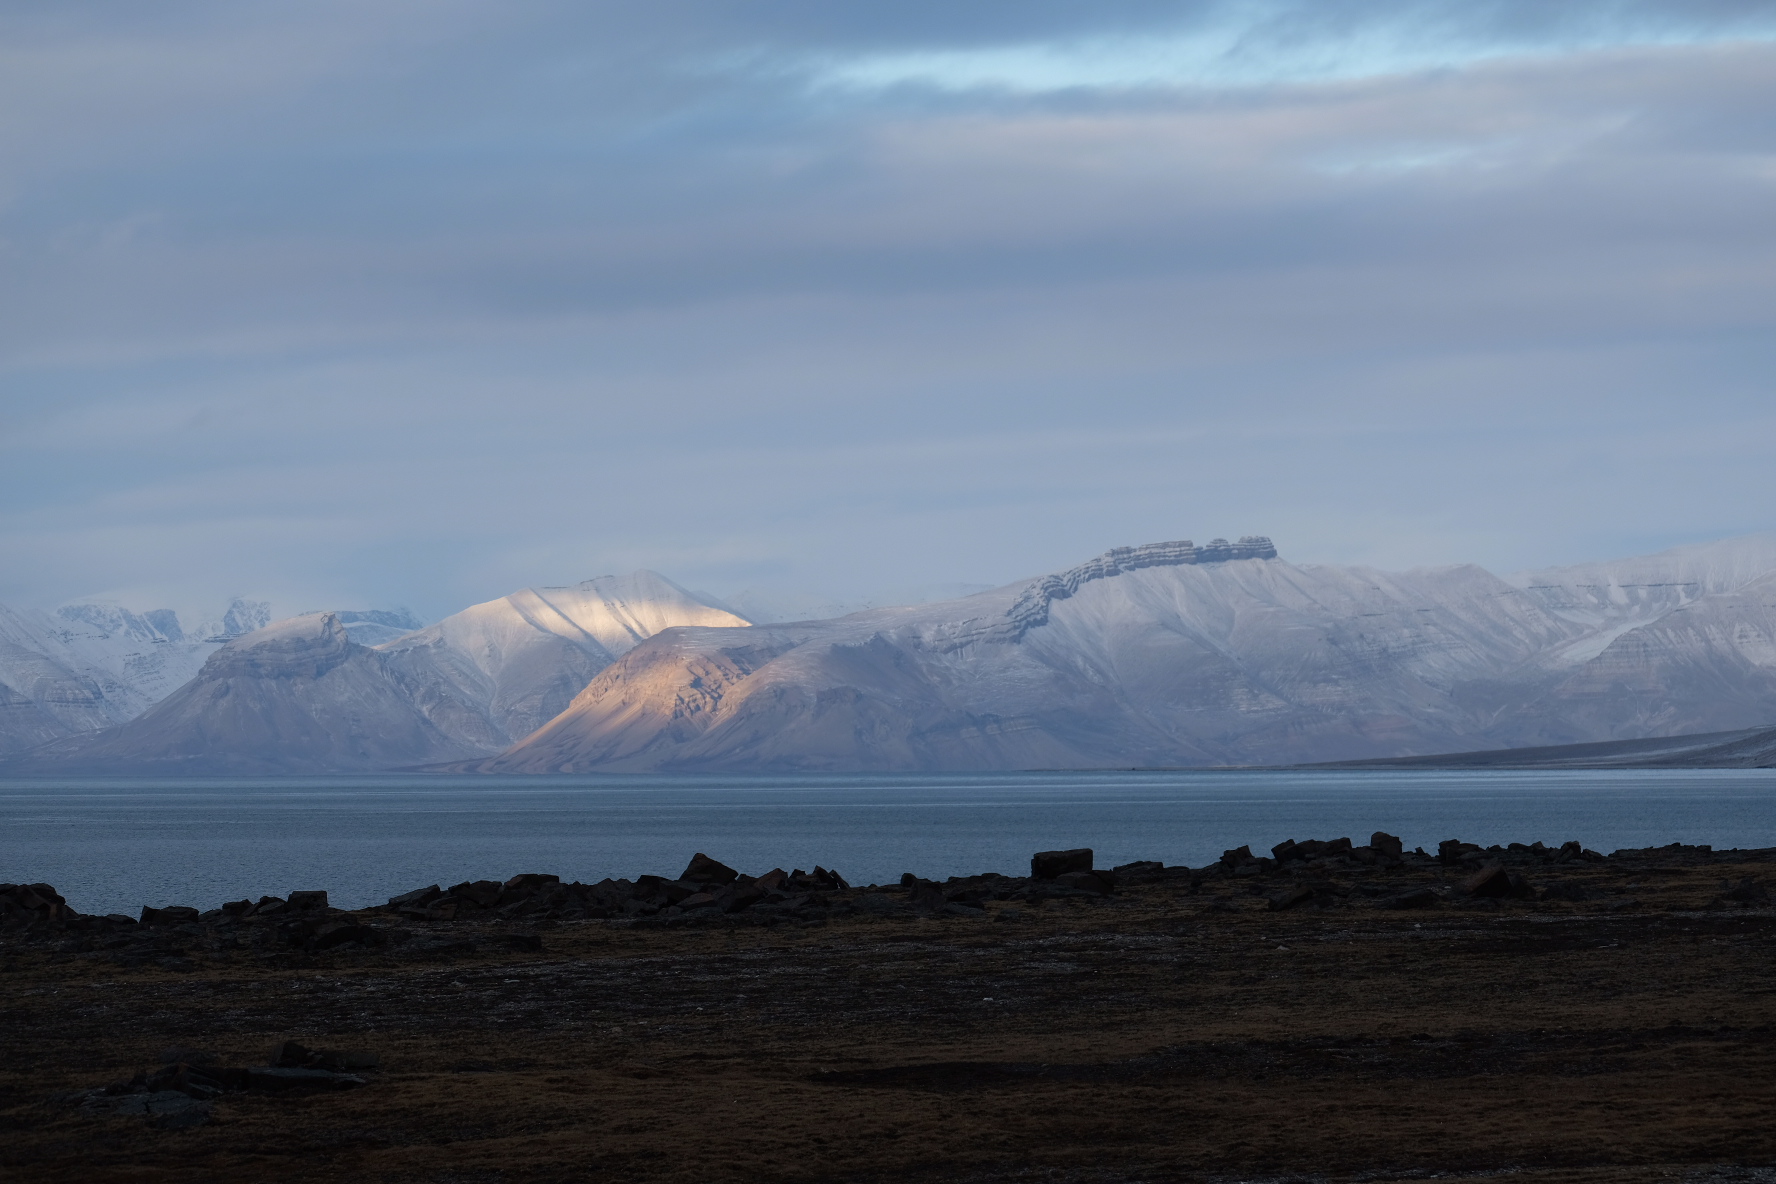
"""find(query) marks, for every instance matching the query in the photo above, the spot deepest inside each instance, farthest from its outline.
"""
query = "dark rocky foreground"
(1327, 1011)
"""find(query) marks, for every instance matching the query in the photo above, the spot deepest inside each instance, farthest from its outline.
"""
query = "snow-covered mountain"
(519, 660)
(1176, 655)
(1166, 654)
(1610, 599)
(304, 695)
(296, 696)
(95, 663)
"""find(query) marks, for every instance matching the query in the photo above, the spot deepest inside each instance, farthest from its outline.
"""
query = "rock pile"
(706, 888)
(1318, 873)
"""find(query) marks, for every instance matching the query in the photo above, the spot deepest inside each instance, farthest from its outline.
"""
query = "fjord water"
(112, 845)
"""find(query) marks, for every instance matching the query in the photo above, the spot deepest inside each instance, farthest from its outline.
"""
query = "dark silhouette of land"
(1329, 1012)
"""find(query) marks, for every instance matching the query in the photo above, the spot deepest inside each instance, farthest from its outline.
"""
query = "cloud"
(422, 303)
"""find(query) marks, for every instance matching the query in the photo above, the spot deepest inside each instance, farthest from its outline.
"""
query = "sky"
(373, 302)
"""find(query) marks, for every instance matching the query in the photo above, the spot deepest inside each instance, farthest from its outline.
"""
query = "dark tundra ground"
(1342, 1015)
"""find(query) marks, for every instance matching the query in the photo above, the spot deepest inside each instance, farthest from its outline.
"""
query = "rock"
(530, 881)
(1284, 851)
(311, 901)
(1094, 882)
(267, 905)
(481, 893)
(699, 900)
(1387, 844)
(1489, 882)
(877, 904)
(1050, 865)
(740, 897)
(1238, 857)
(1290, 898)
(279, 1080)
(1746, 892)
(184, 1119)
(926, 897)
(1418, 898)
(173, 914)
(416, 899)
(348, 933)
(704, 870)
(159, 1104)
(818, 880)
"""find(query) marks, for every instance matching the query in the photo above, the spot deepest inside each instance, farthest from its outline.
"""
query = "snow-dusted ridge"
(1030, 609)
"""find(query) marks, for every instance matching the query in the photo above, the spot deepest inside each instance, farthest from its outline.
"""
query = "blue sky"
(387, 302)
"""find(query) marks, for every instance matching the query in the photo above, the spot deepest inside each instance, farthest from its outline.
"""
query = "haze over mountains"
(1162, 655)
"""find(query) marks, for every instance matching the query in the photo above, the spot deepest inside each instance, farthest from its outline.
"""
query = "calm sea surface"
(112, 845)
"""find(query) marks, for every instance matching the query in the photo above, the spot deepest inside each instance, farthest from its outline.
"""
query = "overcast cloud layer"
(379, 301)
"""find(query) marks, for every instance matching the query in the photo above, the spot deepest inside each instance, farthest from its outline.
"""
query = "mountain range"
(1168, 654)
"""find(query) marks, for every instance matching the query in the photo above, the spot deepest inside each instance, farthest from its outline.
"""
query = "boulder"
(926, 897)
(1098, 883)
(345, 934)
(1387, 844)
(877, 904)
(1489, 882)
(1451, 851)
(740, 897)
(173, 914)
(1238, 857)
(1050, 865)
(307, 902)
(416, 899)
(528, 882)
(704, 870)
(1290, 898)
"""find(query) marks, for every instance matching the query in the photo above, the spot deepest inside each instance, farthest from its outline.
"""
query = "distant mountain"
(302, 695)
(1168, 654)
(94, 663)
(47, 689)
(1171, 654)
(296, 696)
(519, 660)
